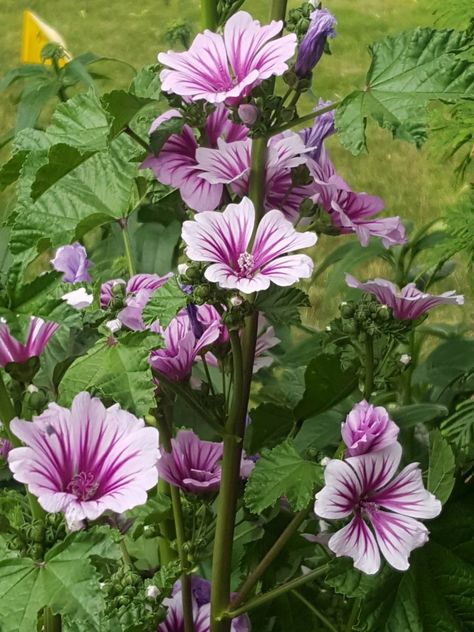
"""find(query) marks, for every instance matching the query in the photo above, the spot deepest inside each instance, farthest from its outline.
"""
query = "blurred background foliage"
(419, 185)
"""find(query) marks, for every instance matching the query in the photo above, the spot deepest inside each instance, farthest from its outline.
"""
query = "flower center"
(367, 506)
(83, 485)
(246, 265)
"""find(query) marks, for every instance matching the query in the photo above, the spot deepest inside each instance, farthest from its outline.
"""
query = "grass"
(413, 184)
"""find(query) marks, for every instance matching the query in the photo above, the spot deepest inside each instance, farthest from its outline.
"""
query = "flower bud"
(182, 268)
(248, 113)
(405, 359)
(235, 301)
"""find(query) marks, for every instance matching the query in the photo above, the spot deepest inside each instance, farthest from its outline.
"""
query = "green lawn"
(412, 183)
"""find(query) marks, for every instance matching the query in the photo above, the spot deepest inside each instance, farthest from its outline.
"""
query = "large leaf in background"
(282, 472)
(409, 416)
(326, 385)
(441, 468)
(122, 106)
(434, 594)
(98, 190)
(115, 372)
(66, 582)
(407, 71)
(155, 246)
(270, 425)
(164, 304)
(281, 305)
(459, 428)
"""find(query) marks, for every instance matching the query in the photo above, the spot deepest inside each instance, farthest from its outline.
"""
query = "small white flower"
(405, 359)
(152, 592)
(235, 301)
(114, 325)
(328, 328)
(79, 299)
(324, 461)
(182, 268)
(31, 388)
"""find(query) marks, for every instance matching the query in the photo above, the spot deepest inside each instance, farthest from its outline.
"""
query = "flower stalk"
(304, 119)
(7, 412)
(209, 14)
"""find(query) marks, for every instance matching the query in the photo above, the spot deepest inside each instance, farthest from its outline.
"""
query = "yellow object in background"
(35, 34)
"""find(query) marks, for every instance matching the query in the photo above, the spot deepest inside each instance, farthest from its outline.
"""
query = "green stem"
(164, 425)
(369, 367)
(166, 530)
(125, 554)
(138, 139)
(228, 494)
(62, 96)
(278, 9)
(209, 14)
(277, 592)
(353, 616)
(7, 412)
(316, 612)
(407, 376)
(126, 243)
(268, 559)
(51, 622)
(257, 177)
(304, 119)
(208, 374)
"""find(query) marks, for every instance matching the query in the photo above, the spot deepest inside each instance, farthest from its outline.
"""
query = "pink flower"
(176, 165)
(362, 486)
(38, 336)
(408, 303)
(230, 164)
(73, 261)
(349, 211)
(223, 239)
(248, 113)
(226, 67)
(182, 346)
(266, 340)
(323, 126)
(85, 460)
(368, 428)
(138, 292)
(201, 596)
(194, 465)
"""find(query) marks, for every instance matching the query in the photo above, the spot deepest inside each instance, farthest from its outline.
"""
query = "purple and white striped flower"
(226, 67)
(364, 487)
(85, 460)
(352, 212)
(408, 303)
(194, 465)
(312, 46)
(73, 262)
(177, 166)
(368, 428)
(138, 292)
(37, 337)
(5, 447)
(230, 164)
(201, 597)
(183, 345)
(223, 239)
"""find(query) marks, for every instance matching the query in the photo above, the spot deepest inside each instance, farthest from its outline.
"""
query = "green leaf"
(164, 304)
(282, 472)
(155, 246)
(80, 122)
(347, 580)
(409, 416)
(441, 467)
(436, 592)
(326, 385)
(66, 582)
(270, 424)
(281, 304)
(407, 71)
(146, 83)
(122, 106)
(159, 137)
(322, 430)
(62, 159)
(118, 373)
(98, 190)
(459, 427)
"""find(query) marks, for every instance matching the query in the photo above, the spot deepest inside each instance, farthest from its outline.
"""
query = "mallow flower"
(194, 465)
(352, 212)
(85, 460)
(73, 262)
(78, 299)
(226, 67)
(384, 508)
(37, 337)
(408, 303)
(201, 598)
(138, 292)
(183, 344)
(223, 240)
(313, 137)
(368, 428)
(176, 165)
(311, 49)
(230, 164)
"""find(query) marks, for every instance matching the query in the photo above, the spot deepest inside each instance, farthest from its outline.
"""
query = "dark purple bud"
(312, 46)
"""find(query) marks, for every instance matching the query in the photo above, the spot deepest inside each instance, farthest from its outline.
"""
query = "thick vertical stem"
(209, 14)
(7, 412)
(369, 367)
(165, 439)
(127, 247)
(52, 622)
(278, 9)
